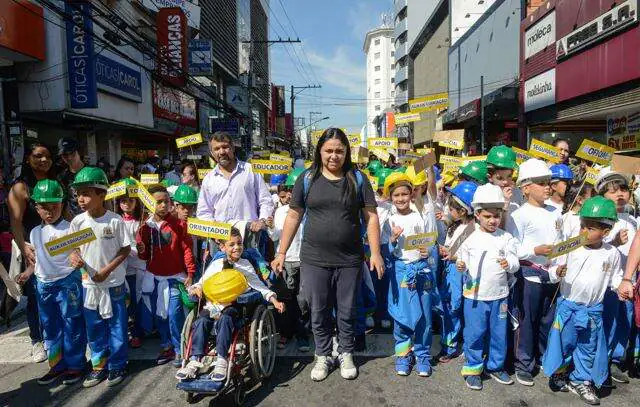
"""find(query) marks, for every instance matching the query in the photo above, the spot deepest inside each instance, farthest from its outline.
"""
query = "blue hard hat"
(437, 172)
(561, 172)
(277, 179)
(463, 192)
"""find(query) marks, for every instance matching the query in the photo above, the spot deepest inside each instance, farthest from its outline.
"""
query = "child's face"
(489, 219)
(233, 248)
(619, 194)
(163, 203)
(184, 211)
(285, 197)
(502, 178)
(401, 198)
(455, 212)
(128, 205)
(538, 191)
(559, 188)
(49, 212)
(89, 199)
(595, 231)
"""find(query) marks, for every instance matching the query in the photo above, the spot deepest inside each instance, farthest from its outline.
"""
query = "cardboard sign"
(404, 146)
(424, 162)
(454, 144)
(146, 198)
(568, 246)
(360, 155)
(202, 172)
(544, 151)
(383, 143)
(208, 229)
(404, 118)
(189, 140)
(270, 167)
(280, 157)
(149, 179)
(374, 183)
(424, 151)
(591, 175)
(450, 161)
(116, 190)
(521, 155)
(70, 241)
(444, 135)
(381, 154)
(354, 140)
(595, 152)
(422, 240)
(625, 164)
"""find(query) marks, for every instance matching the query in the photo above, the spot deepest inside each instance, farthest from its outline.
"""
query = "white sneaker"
(219, 373)
(348, 369)
(38, 353)
(370, 322)
(322, 367)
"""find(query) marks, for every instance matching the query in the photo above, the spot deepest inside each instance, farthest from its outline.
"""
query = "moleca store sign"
(540, 91)
(606, 25)
(540, 35)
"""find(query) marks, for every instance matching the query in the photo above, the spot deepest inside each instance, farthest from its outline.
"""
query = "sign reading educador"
(70, 241)
(208, 229)
(270, 167)
(189, 140)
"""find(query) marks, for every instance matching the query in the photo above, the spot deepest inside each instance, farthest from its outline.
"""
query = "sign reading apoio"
(172, 45)
(540, 35)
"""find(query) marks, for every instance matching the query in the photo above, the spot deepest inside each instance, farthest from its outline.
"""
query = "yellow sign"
(146, 198)
(383, 142)
(308, 164)
(568, 246)
(285, 153)
(591, 175)
(381, 154)
(595, 152)
(70, 241)
(444, 135)
(429, 103)
(270, 167)
(202, 172)
(545, 151)
(374, 183)
(466, 160)
(208, 229)
(521, 155)
(450, 161)
(133, 191)
(148, 179)
(189, 140)
(280, 157)
(422, 240)
(116, 190)
(404, 118)
(315, 136)
(423, 151)
(355, 140)
(454, 144)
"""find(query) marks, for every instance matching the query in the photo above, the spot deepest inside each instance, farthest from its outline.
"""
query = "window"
(377, 108)
(393, 80)
(377, 42)
(376, 55)
(393, 54)
(377, 68)
(376, 95)
(377, 81)
(393, 93)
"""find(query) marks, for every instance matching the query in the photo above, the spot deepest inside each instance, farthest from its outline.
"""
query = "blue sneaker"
(473, 382)
(403, 365)
(423, 366)
(501, 377)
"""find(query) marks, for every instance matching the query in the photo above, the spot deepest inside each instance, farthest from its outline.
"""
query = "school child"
(295, 321)
(577, 337)
(501, 164)
(536, 227)
(220, 312)
(561, 178)
(103, 278)
(131, 211)
(185, 199)
(618, 315)
(486, 257)
(574, 198)
(59, 288)
(282, 195)
(411, 280)
(474, 171)
(163, 242)
(450, 285)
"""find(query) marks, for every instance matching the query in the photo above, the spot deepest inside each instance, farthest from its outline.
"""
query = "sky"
(332, 34)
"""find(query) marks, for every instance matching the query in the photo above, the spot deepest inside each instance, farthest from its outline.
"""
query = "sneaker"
(177, 362)
(303, 345)
(585, 391)
(403, 365)
(38, 353)
(385, 324)
(501, 377)
(115, 376)
(473, 382)
(72, 377)
(94, 378)
(166, 356)
(446, 358)
(524, 378)
(282, 342)
(135, 342)
(558, 382)
(321, 370)
(348, 369)
(190, 371)
(360, 344)
(370, 322)
(618, 375)
(423, 366)
(50, 377)
(219, 373)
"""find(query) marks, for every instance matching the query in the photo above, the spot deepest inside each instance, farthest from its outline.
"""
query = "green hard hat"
(601, 209)
(375, 166)
(293, 176)
(476, 170)
(186, 195)
(502, 157)
(382, 175)
(47, 191)
(169, 183)
(91, 177)
(129, 182)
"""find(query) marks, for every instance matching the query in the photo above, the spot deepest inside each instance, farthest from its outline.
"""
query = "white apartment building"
(380, 51)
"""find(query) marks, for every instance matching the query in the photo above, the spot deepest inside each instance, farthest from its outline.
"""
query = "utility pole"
(482, 135)
(293, 96)
(312, 114)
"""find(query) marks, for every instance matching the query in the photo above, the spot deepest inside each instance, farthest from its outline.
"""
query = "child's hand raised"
(396, 232)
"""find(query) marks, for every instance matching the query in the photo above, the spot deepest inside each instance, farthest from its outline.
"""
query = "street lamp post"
(308, 138)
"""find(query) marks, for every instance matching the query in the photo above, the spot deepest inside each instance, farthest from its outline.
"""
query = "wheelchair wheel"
(239, 394)
(262, 342)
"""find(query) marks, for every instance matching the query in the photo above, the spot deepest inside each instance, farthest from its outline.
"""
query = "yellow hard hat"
(395, 178)
(448, 178)
(416, 179)
(224, 287)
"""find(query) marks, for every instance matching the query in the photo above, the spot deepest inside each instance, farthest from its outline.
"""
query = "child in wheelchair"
(221, 315)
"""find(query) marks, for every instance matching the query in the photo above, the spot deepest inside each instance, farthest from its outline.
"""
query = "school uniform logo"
(606, 267)
(107, 233)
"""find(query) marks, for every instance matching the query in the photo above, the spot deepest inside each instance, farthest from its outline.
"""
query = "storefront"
(580, 73)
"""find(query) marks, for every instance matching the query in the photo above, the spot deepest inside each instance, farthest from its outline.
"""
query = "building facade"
(401, 43)
(380, 54)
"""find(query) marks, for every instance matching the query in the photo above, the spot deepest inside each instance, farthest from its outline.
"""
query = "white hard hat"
(607, 175)
(488, 196)
(532, 169)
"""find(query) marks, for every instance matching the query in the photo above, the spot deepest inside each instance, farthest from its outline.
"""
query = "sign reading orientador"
(270, 167)
(116, 190)
(383, 142)
(595, 152)
(422, 240)
(208, 229)
(189, 140)
(568, 246)
(545, 151)
(70, 241)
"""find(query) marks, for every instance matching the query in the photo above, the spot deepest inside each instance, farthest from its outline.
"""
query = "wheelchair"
(251, 356)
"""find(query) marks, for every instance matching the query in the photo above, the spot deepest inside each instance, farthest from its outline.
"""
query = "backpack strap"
(359, 185)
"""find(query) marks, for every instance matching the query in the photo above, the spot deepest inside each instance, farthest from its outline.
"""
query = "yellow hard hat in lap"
(224, 287)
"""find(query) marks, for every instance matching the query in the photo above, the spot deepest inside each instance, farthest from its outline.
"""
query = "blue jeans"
(204, 326)
(62, 322)
(33, 315)
(170, 328)
(108, 337)
(451, 294)
(485, 329)
(618, 320)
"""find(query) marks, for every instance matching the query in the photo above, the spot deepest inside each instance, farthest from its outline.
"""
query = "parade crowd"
(337, 249)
